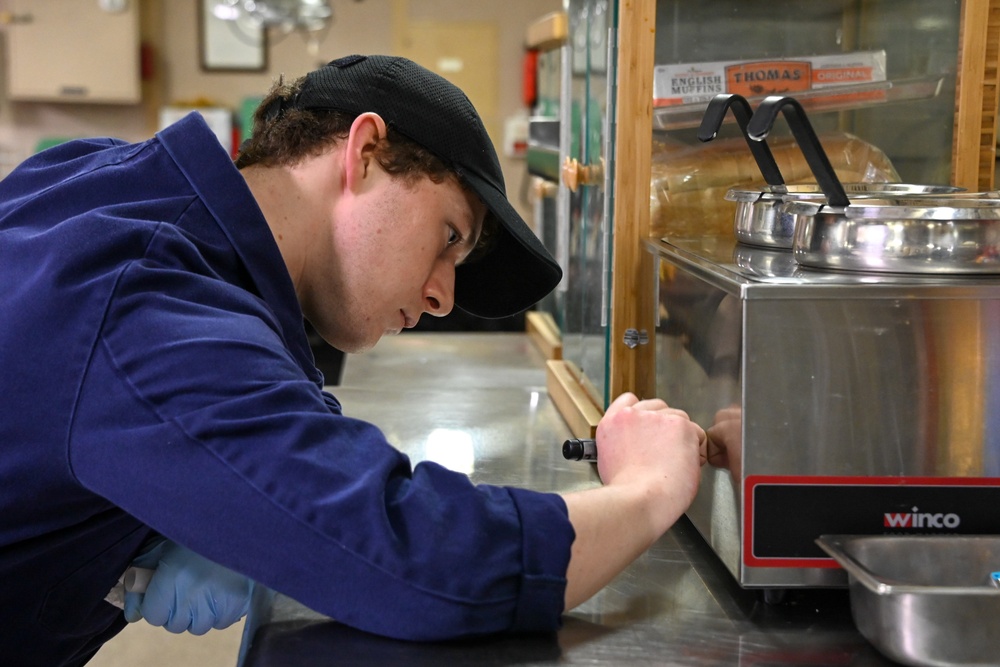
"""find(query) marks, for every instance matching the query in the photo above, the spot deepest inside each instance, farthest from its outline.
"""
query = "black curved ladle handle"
(712, 121)
(762, 122)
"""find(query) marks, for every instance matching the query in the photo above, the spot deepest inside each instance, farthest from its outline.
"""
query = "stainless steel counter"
(447, 361)
(477, 403)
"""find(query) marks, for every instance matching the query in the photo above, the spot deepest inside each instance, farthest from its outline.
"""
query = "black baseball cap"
(517, 270)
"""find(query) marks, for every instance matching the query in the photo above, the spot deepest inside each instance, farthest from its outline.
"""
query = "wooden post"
(632, 266)
(976, 97)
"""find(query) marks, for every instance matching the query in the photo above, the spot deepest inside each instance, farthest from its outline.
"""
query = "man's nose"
(439, 290)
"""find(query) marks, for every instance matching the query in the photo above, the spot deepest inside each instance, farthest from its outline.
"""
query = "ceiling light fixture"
(310, 17)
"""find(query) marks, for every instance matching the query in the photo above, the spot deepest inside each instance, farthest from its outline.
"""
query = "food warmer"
(847, 402)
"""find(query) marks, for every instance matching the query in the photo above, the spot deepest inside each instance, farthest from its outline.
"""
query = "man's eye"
(453, 237)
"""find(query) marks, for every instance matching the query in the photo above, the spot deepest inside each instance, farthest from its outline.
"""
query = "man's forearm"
(614, 525)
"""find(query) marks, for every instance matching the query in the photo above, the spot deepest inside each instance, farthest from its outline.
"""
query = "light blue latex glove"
(188, 593)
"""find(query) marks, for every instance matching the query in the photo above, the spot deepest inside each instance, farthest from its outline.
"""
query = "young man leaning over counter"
(161, 407)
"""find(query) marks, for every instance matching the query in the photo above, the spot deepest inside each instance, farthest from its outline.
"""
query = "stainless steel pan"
(940, 236)
(923, 599)
(914, 232)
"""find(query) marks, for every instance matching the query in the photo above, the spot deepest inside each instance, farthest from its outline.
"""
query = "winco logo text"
(918, 519)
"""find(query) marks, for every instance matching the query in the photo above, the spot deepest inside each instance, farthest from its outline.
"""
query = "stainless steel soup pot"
(927, 235)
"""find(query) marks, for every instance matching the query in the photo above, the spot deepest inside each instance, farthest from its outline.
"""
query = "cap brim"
(515, 274)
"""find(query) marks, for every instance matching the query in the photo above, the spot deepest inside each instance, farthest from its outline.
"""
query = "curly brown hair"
(284, 135)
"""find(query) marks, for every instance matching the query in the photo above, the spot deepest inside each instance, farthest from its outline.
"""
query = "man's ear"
(366, 131)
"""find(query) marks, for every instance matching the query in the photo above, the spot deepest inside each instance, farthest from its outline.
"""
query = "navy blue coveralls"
(156, 379)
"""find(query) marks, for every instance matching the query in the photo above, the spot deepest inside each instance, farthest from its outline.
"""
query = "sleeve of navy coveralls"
(194, 418)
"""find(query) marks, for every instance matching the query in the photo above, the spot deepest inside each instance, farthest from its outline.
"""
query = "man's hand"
(648, 442)
(188, 593)
(725, 437)
(650, 460)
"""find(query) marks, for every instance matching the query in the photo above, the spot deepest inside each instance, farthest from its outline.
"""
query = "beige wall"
(169, 28)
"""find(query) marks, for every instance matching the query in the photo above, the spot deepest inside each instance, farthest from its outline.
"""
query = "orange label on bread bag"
(768, 77)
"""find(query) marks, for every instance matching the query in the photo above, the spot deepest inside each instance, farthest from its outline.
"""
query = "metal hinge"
(635, 338)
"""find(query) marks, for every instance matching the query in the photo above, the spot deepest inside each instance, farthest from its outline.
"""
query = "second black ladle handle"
(762, 122)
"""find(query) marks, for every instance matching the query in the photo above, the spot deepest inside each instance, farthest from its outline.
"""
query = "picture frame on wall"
(233, 44)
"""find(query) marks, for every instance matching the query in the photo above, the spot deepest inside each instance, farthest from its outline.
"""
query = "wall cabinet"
(73, 51)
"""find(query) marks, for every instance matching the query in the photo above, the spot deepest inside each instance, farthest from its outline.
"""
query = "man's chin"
(351, 345)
